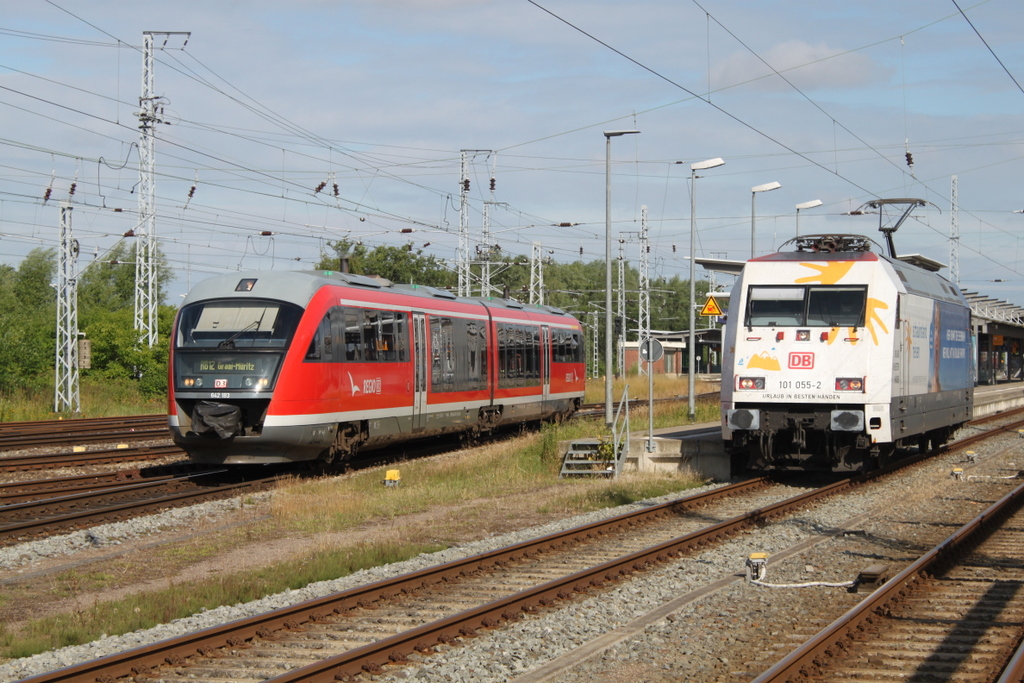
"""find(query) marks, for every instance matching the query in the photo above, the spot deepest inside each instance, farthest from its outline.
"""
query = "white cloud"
(809, 67)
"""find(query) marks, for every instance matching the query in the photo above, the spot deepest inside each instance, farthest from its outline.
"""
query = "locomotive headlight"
(248, 381)
(264, 382)
(199, 381)
(751, 383)
(188, 381)
(849, 384)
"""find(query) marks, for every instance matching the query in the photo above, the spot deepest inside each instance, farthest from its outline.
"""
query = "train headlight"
(188, 381)
(264, 382)
(849, 384)
(750, 383)
(199, 381)
(249, 381)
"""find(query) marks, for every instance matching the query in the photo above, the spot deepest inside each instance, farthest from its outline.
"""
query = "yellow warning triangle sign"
(711, 307)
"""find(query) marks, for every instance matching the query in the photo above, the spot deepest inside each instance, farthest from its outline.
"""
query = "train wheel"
(346, 443)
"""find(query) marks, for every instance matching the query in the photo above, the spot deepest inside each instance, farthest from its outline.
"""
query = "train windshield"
(811, 306)
(237, 325)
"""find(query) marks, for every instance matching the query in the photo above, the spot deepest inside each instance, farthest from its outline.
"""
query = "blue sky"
(268, 100)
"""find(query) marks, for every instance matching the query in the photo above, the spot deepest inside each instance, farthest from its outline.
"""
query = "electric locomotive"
(837, 357)
(319, 365)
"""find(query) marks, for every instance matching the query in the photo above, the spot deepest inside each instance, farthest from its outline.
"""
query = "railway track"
(85, 503)
(17, 435)
(50, 461)
(957, 613)
(287, 632)
(368, 629)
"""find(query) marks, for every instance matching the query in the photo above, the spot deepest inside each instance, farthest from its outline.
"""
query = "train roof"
(917, 273)
(299, 286)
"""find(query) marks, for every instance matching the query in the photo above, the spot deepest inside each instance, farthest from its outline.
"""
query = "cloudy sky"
(267, 101)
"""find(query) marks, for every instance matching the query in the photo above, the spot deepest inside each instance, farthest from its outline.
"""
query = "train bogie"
(839, 357)
(275, 367)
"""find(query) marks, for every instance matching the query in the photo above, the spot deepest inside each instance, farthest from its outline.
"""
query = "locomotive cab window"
(836, 306)
(774, 306)
(237, 324)
(811, 306)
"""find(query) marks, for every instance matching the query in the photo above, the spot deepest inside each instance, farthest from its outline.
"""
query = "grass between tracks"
(441, 501)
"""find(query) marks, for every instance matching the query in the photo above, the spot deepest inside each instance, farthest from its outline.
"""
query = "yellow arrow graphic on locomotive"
(828, 273)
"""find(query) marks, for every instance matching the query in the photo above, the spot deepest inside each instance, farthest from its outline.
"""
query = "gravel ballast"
(713, 624)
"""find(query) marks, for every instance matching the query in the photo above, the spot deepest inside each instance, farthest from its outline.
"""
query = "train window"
(813, 306)
(372, 343)
(391, 344)
(442, 355)
(836, 306)
(320, 346)
(352, 329)
(234, 324)
(775, 306)
(518, 355)
(567, 346)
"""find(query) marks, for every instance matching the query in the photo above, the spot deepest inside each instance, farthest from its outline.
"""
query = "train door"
(545, 363)
(419, 361)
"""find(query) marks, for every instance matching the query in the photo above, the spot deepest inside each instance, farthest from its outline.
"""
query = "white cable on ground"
(991, 476)
(845, 584)
(756, 572)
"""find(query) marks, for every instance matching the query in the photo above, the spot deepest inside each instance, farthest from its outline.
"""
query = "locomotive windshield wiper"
(229, 343)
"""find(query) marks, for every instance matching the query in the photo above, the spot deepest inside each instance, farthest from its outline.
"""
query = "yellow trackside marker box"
(392, 478)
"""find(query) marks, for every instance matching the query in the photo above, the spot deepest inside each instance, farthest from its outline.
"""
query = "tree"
(27, 319)
(398, 264)
(109, 285)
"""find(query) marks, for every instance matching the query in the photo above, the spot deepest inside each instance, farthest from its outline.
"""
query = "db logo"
(801, 361)
(223, 383)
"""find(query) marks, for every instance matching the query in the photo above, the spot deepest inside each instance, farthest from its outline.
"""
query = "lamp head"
(766, 187)
(617, 133)
(809, 205)
(704, 165)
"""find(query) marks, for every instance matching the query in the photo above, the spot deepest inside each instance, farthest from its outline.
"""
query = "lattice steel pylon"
(645, 284)
(595, 345)
(537, 274)
(146, 288)
(462, 264)
(65, 392)
(145, 285)
(954, 234)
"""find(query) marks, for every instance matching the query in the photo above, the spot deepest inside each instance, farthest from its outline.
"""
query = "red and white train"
(289, 366)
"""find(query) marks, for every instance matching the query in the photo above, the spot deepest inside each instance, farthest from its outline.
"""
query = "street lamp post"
(692, 343)
(804, 205)
(608, 360)
(767, 187)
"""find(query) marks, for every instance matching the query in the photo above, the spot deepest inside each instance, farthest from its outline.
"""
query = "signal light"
(849, 384)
